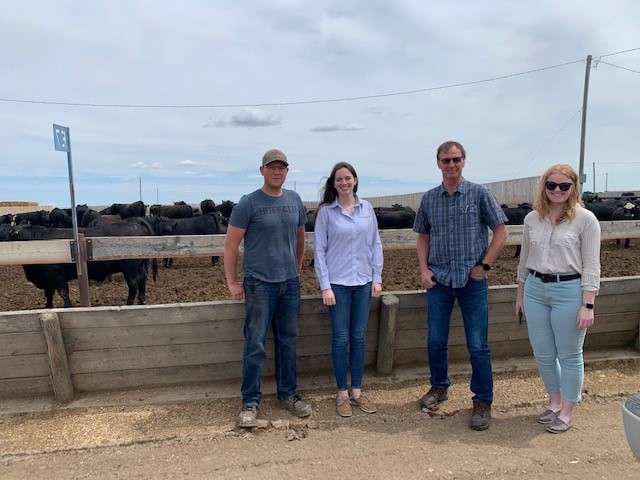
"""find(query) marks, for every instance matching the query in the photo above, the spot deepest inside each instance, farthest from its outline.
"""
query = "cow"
(395, 216)
(614, 210)
(52, 278)
(59, 218)
(41, 217)
(515, 216)
(207, 224)
(6, 219)
(114, 209)
(207, 206)
(177, 210)
(135, 209)
(87, 215)
(311, 219)
(225, 209)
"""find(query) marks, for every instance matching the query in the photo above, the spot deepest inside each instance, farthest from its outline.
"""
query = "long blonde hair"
(568, 212)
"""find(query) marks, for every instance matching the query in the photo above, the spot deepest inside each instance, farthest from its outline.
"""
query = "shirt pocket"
(470, 216)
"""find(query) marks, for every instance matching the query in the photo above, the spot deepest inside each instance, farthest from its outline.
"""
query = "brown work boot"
(297, 406)
(481, 415)
(248, 416)
(430, 400)
(343, 406)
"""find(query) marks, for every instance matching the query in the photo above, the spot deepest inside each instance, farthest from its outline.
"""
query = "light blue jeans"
(551, 312)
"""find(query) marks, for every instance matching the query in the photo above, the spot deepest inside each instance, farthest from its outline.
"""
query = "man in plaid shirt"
(455, 255)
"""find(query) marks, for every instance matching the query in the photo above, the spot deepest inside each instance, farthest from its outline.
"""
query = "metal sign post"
(62, 143)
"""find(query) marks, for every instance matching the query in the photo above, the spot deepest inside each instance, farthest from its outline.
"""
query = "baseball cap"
(274, 156)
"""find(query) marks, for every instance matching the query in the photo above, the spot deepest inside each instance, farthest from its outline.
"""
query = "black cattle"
(396, 216)
(52, 278)
(87, 216)
(613, 210)
(311, 219)
(114, 209)
(609, 210)
(515, 216)
(40, 217)
(135, 209)
(207, 206)
(59, 218)
(177, 210)
(6, 219)
(225, 209)
(201, 225)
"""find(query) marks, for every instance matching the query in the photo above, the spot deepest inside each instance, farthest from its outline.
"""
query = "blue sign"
(61, 138)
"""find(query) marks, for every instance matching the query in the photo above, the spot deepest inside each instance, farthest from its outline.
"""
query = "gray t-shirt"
(270, 239)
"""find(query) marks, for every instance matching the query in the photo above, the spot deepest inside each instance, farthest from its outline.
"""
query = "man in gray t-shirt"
(271, 222)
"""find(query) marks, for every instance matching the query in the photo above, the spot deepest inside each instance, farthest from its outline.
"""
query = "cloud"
(189, 163)
(215, 124)
(190, 173)
(248, 117)
(156, 166)
(139, 165)
(335, 127)
(254, 117)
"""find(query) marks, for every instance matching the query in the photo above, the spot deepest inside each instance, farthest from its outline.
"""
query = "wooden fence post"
(387, 333)
(83, 272)
(58, 365)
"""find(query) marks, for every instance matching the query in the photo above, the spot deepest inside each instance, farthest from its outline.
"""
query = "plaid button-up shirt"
(458, 228)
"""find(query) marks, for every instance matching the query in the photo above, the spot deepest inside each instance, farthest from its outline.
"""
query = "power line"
(550, 140)
(617, 163)
(302, 102)
(618, 66)
(311, 102)
(618, 53)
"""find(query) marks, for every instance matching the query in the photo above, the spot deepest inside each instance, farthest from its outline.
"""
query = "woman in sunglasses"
(558, 279)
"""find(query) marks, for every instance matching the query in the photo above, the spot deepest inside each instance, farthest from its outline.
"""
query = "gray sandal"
(548, 416)
(558, 426)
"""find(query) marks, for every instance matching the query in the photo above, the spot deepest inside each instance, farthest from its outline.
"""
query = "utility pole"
(594, 177)
(581, 176)
(140, 186)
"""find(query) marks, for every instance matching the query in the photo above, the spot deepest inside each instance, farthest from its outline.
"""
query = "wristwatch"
(588, 305)
(485, 266)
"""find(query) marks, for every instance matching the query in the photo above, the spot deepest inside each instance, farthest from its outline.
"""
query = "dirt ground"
(189, 432)
(195, 280)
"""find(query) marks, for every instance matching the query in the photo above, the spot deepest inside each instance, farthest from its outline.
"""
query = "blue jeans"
(278, 305)
(349, 318)
(552, 310)
(473, 300)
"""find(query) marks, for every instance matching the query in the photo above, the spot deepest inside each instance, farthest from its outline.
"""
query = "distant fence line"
(509, 192)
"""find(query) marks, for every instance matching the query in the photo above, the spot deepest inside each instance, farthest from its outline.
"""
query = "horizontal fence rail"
(36, 252)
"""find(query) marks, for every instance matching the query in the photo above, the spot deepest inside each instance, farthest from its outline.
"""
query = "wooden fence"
(60, 351)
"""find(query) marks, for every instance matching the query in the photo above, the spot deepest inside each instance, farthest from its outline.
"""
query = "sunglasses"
(564, 186)
(447, 161)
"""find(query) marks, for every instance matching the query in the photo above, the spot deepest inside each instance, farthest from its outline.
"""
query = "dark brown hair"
(329, 192)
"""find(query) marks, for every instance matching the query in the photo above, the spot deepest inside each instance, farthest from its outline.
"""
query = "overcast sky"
(264, 74)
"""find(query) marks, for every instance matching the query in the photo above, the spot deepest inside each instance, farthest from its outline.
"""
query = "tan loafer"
(343, 406)
(365, 404)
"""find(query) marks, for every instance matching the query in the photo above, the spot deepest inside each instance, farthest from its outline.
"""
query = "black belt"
(554, 277)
